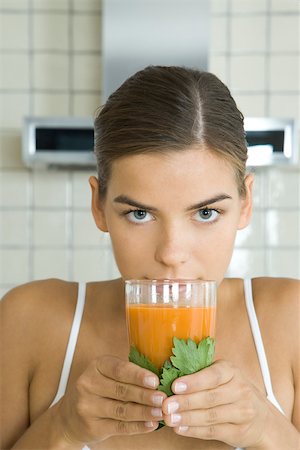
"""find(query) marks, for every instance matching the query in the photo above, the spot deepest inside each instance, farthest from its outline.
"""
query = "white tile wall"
(43, 26)
(46, 226)
(9, 39)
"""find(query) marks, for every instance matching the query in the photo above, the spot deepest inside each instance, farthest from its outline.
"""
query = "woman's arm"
(220, 403)
(111, 397)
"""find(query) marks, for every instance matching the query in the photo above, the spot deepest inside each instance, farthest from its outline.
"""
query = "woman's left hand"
(218, 403)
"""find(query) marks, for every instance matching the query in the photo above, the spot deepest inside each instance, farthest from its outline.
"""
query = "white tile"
(253, 234)
(50, 189)
(82, 196)
(282, 228)
(51, 71)
(87, 32)
(283, 188)
(246, 263)
(14, 266)
(50, 31)
(51, 104)
(17, 5)
(86, 104)
(251, 105)
(219, 6)
(15, 189)
(283, 263)
(50, 228)
(258, 189)
(247, 73)
(93, 265)
(10, 149)
(285, 5)
(284, 73)
(284, 105)
(219, 66)
(248, 33)
(90, 5)
(50, 264)
(285, 33)
(218, 34)
(14, 228)
(14, 72)
(85, 231)
(87, 72)
(248, 6)
(13, 109)
(9, 39)
(62, 5)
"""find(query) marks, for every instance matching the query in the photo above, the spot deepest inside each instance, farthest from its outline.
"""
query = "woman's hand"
(218, 403)
(112, 397)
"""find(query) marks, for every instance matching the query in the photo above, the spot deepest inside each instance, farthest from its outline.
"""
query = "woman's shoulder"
(277, 304)
(41, 294)
(35, 307)
(279, 293)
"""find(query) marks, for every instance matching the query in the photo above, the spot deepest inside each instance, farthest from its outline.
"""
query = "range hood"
(138, 33)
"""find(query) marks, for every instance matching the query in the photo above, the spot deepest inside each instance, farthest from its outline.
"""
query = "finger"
(128, 411)
(108, 428)
(208, 417)
(126, 372)
(228, 433)
(208, 398)
(217, 374)
(101, 386)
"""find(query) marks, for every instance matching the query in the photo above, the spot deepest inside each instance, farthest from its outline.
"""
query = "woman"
(172, 191)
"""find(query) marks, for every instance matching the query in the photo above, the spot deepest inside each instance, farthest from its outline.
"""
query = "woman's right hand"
(112, 397)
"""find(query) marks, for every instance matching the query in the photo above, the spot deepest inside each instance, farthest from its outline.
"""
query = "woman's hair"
(161, 109)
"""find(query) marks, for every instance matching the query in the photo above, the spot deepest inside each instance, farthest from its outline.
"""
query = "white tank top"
(253, 324)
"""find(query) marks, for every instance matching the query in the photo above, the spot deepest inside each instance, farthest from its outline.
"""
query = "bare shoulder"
(277, 303)
(30, 309)
(278, 293)
(37, 297)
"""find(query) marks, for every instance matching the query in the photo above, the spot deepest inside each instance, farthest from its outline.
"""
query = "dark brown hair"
(161, 109)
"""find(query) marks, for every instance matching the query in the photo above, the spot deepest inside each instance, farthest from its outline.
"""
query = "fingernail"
(180, 387)
(172, 407)
(149, 424)
(157, 400)
(175, 418)
(182, 428)
(150, 382)
(156, 412)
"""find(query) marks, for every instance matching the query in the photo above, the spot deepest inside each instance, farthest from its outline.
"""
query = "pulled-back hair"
(161, 109)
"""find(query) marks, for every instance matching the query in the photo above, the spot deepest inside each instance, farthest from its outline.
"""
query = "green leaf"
(168, 376)
(137, 358)
(190, 358)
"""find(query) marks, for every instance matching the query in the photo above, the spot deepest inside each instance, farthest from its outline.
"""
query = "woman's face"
(172, 214)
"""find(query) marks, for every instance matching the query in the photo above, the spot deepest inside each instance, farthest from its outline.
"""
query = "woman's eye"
(139, 216)
(207, 215)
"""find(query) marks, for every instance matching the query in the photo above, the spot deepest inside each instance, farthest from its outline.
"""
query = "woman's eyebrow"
(209, 201)
(128, 201)
(125, 200)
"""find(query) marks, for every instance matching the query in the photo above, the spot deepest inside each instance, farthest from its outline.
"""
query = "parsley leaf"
(168, 376)
(190, 358)
(136, 357)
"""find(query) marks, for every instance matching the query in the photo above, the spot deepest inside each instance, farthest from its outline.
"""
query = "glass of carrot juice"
(159, 310)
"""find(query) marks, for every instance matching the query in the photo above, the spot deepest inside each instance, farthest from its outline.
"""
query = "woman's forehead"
(173, 170)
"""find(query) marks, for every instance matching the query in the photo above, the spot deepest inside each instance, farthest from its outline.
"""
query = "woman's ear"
(97, 205)
(246, 203)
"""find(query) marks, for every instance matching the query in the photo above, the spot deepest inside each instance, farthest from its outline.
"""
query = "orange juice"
(151, 327)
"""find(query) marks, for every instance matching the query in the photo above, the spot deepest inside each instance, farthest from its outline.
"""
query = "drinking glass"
(159, 310)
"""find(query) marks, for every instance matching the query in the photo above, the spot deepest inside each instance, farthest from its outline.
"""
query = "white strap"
(259, 344)
(71, 344)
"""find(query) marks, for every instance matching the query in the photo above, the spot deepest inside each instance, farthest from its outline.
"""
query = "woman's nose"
(172, 249)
